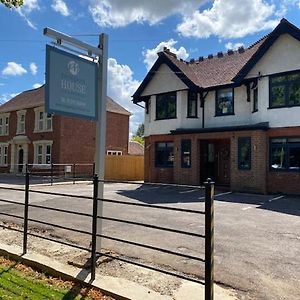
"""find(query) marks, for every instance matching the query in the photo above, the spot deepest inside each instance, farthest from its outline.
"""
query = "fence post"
(94, 226)
(209, 239)
(74, 173)
(51, 173)
(25, 228)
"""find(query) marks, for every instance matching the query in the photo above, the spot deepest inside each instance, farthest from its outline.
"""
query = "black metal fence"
(208, 236)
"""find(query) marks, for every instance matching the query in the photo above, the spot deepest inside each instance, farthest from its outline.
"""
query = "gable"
(283, 55)
(164, 80)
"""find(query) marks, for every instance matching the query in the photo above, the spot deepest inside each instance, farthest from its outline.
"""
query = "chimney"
(201, 58)
(241, 49)
(210, 56)
(192, 60)
(230, 52)
(220, 54)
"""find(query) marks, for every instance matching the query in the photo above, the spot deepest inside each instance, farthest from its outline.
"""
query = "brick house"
(234, 116)
(29, 135)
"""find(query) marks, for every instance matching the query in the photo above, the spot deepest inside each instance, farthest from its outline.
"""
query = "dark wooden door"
(223, 162)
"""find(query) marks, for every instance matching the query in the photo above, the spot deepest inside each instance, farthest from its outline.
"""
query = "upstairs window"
(224, 102)
(43, 121)
(21, 122)
(285, 90)
(192, 105)
(285, 154)
(166, 106)
(4, 124)
(164, 154)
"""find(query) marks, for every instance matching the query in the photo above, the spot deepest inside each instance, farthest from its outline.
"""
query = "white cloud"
(61, 7)
(120, 86)
(13, 69)
(36, 85)
(150, 55)
(5, 97)
(233, 46)
(229, 19)
(33, 68)
(117, 13)
(27, 7)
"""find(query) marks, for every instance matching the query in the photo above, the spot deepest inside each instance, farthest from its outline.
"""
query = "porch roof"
(259, 126)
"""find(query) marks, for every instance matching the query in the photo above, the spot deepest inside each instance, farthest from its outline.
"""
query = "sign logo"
(73, 67)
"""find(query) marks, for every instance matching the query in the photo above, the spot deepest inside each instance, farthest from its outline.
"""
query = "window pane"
(40, 149)
(48, 149)
(277, 96)
(164, 156)
(278, 157)
(294, 93)
(255, 99)
(166, 106)
(278, 79)
(41, 123)
(41, 115)
(192, 104)
(186, 153)
(294, 158)
(224, 105)
(244, 153)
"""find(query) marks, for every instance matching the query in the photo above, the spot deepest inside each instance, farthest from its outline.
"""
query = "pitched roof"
(217, 70)
(135, 148)
(36, 97)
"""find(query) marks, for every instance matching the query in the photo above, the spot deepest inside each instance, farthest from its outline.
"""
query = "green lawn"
(16, 283)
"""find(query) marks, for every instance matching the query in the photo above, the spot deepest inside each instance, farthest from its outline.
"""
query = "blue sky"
(137, 29)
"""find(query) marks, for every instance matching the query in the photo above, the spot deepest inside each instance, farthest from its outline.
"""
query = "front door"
(21, 160)
(215, 161)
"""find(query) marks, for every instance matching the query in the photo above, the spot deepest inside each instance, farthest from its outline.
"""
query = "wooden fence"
(124, 167)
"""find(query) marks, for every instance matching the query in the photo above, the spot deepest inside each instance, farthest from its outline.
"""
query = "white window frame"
(21, 124)
(114, 152)
(43, 144)
(4, 124)
(42, 124)
(3, 154)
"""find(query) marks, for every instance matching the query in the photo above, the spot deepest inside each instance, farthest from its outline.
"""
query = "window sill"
(190, 117)
(4, 134)
(284, 170)
(165, 119)
(20, 132)
(41, 166)
(41, 131)
(224, 115)
(285, 106)
(3, 166)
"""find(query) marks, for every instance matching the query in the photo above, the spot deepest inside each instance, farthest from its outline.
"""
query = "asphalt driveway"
(257, 237)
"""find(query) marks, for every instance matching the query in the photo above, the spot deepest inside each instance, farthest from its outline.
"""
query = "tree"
(140, 130)
(139, 135)
(12, 3)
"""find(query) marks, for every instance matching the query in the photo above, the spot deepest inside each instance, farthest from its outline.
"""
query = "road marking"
(189, 191)
(276, 198)
(248, 207)
(221, 194)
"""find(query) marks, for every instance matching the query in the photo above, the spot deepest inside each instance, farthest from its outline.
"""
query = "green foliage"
(12, 3)
(138, 139)
(16, 285)
(140, 130)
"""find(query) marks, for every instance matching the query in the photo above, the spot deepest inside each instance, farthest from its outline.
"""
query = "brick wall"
(73, 138)
(253, 180)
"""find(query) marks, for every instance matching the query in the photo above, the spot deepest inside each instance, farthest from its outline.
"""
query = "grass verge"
(18, 281)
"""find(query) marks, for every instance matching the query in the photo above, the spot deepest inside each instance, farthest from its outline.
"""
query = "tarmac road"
(257, 237)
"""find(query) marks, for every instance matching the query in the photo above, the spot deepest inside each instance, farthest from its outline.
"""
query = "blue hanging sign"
(71, 85)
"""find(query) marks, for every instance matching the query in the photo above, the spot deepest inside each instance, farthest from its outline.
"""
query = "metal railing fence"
(93, 234)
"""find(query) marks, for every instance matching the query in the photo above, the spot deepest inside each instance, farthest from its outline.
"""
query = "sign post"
(77, 87)
(101, 129)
